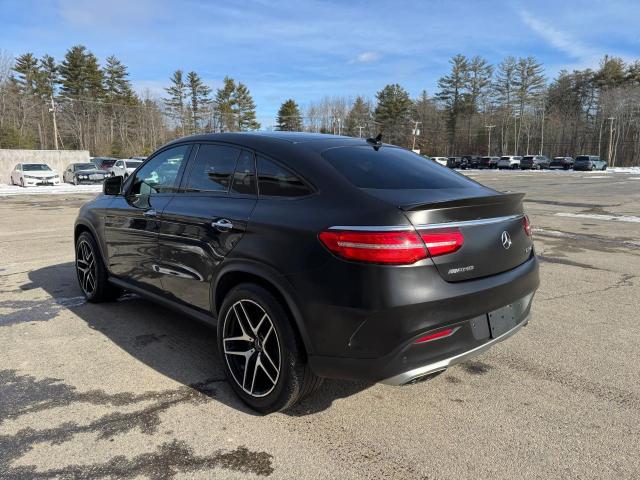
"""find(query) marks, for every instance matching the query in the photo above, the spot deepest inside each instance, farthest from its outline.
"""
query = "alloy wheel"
(251, 348)
(86, 267)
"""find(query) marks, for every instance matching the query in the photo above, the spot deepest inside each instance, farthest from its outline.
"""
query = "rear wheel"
(91, 272)
(261, 352)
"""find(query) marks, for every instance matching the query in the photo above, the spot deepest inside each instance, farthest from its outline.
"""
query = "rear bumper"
(465, 307)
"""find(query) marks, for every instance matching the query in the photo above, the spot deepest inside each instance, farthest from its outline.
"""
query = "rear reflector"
(527, 225)
(396, 248)
(442, 241)
(434, 336)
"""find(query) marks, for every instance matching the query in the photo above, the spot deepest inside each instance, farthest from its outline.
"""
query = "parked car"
(440, 160)
(534, 162)
(489, 162)
(470, 161)
(104, 163)
(138, 158)
(78, 173)
(589, 162)
(454, 162)
(124, 167)
(31, 174)
(509, 161)
(561, 163)
(315, 255)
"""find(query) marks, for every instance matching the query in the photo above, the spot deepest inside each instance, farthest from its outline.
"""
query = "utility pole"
(416, 132)
(55, 125)
(542, 129)
(611, 119)
(489, 128)
(359, 131)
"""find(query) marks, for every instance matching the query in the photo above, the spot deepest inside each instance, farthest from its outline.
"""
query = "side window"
(119, 163)
(274, 180)
(244, 178)
(213, 169)
(160, 173)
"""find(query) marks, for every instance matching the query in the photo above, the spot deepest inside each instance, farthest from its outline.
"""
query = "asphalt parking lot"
(130, 390)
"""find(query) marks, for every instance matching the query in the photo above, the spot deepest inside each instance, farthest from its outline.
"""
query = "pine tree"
(392, 113)
(245, 108)
(80, 74)
(175, 104)
(225, 105)
(358, 121)
(48, 78)
(454, 94)
(289, 117)
(199, 97)
(116, 85)
(26, 68)
(529, 82)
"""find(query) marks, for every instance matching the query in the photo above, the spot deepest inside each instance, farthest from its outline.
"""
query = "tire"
(91, 272)
(264, 340)
(75, 180)
(22, 183)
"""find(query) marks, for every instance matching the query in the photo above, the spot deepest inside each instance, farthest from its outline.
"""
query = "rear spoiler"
(486, 200)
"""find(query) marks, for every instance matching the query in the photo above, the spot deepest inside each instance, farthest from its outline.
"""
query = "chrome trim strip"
(470, 223)
(405, 228)
(373, 228)
(405, 377)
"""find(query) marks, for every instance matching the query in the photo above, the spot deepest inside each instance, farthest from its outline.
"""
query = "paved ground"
(130, 390)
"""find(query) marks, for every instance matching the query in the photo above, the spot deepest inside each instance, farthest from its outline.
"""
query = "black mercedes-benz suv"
(315, 255)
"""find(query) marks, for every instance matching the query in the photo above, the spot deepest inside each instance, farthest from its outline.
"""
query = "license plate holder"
(502, 320)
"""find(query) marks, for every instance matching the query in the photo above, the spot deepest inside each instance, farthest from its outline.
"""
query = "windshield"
(85, 166)
(582, 158)
(133, 163)
(391, 168)
(106, 163)
(505, 158)
(35, 167)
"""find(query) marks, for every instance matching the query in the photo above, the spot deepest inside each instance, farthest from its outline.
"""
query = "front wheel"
(262, 355)
(91, 272)
(22, 182)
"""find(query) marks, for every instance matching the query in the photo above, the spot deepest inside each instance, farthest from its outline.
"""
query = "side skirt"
(198, 315)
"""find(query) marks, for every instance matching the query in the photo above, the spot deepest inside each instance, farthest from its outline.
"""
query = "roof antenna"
(376, 142)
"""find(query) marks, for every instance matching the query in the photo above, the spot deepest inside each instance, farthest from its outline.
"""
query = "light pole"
(611, 119)
(489, 128)
(415, 133)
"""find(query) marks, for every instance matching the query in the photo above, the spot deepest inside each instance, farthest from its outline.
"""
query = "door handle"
(222, 225)
(150, 213)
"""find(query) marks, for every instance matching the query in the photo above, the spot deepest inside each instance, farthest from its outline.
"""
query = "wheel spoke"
(273, 380)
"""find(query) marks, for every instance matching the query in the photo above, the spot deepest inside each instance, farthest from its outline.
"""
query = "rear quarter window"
(391, 168)
(276, 181)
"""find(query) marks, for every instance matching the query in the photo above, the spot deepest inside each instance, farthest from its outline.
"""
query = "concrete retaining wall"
(56, 159)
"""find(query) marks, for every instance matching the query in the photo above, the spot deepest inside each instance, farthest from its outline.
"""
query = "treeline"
(506, 109)
(478, 108)
(78, 103)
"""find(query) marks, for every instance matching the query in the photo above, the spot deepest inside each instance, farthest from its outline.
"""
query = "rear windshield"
(582, 158)
(35, 167)
(391, 168)
(107, 163)
(133, 163)
(505, 158)
(528, 157)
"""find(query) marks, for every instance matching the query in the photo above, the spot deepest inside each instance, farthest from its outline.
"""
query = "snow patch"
(597, 216)
(13, 190)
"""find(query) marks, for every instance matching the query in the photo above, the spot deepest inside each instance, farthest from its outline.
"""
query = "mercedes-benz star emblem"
(506, 240)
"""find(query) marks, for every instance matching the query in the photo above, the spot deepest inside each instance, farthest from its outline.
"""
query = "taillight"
(442, 241)
(527, 225)
(447, 332)
(398, 248)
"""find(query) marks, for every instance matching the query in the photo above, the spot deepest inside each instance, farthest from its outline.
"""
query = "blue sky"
(308, 49)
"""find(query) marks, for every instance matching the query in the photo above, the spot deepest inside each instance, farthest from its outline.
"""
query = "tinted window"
(244, 178)
(160, 173)
(85, 166)
(391, 168)
(213, 169)
(582, 158)
(275, 180)
(35, 167)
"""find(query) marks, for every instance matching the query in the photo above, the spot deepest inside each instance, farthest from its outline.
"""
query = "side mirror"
(112, 185)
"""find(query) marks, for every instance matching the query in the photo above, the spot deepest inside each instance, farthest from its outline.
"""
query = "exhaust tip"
(424, 378)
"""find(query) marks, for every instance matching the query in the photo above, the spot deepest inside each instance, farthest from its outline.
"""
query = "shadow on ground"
(172, 344)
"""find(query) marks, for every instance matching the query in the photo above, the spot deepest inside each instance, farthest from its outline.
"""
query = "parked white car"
(31, 174)
(440, 160)
(124, 168)
(509, 161)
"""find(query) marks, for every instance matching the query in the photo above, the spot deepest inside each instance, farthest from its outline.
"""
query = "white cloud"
(366, 57)
(559, 39)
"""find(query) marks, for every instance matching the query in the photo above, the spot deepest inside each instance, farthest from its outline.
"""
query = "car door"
(131, 220)
(205, 221)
